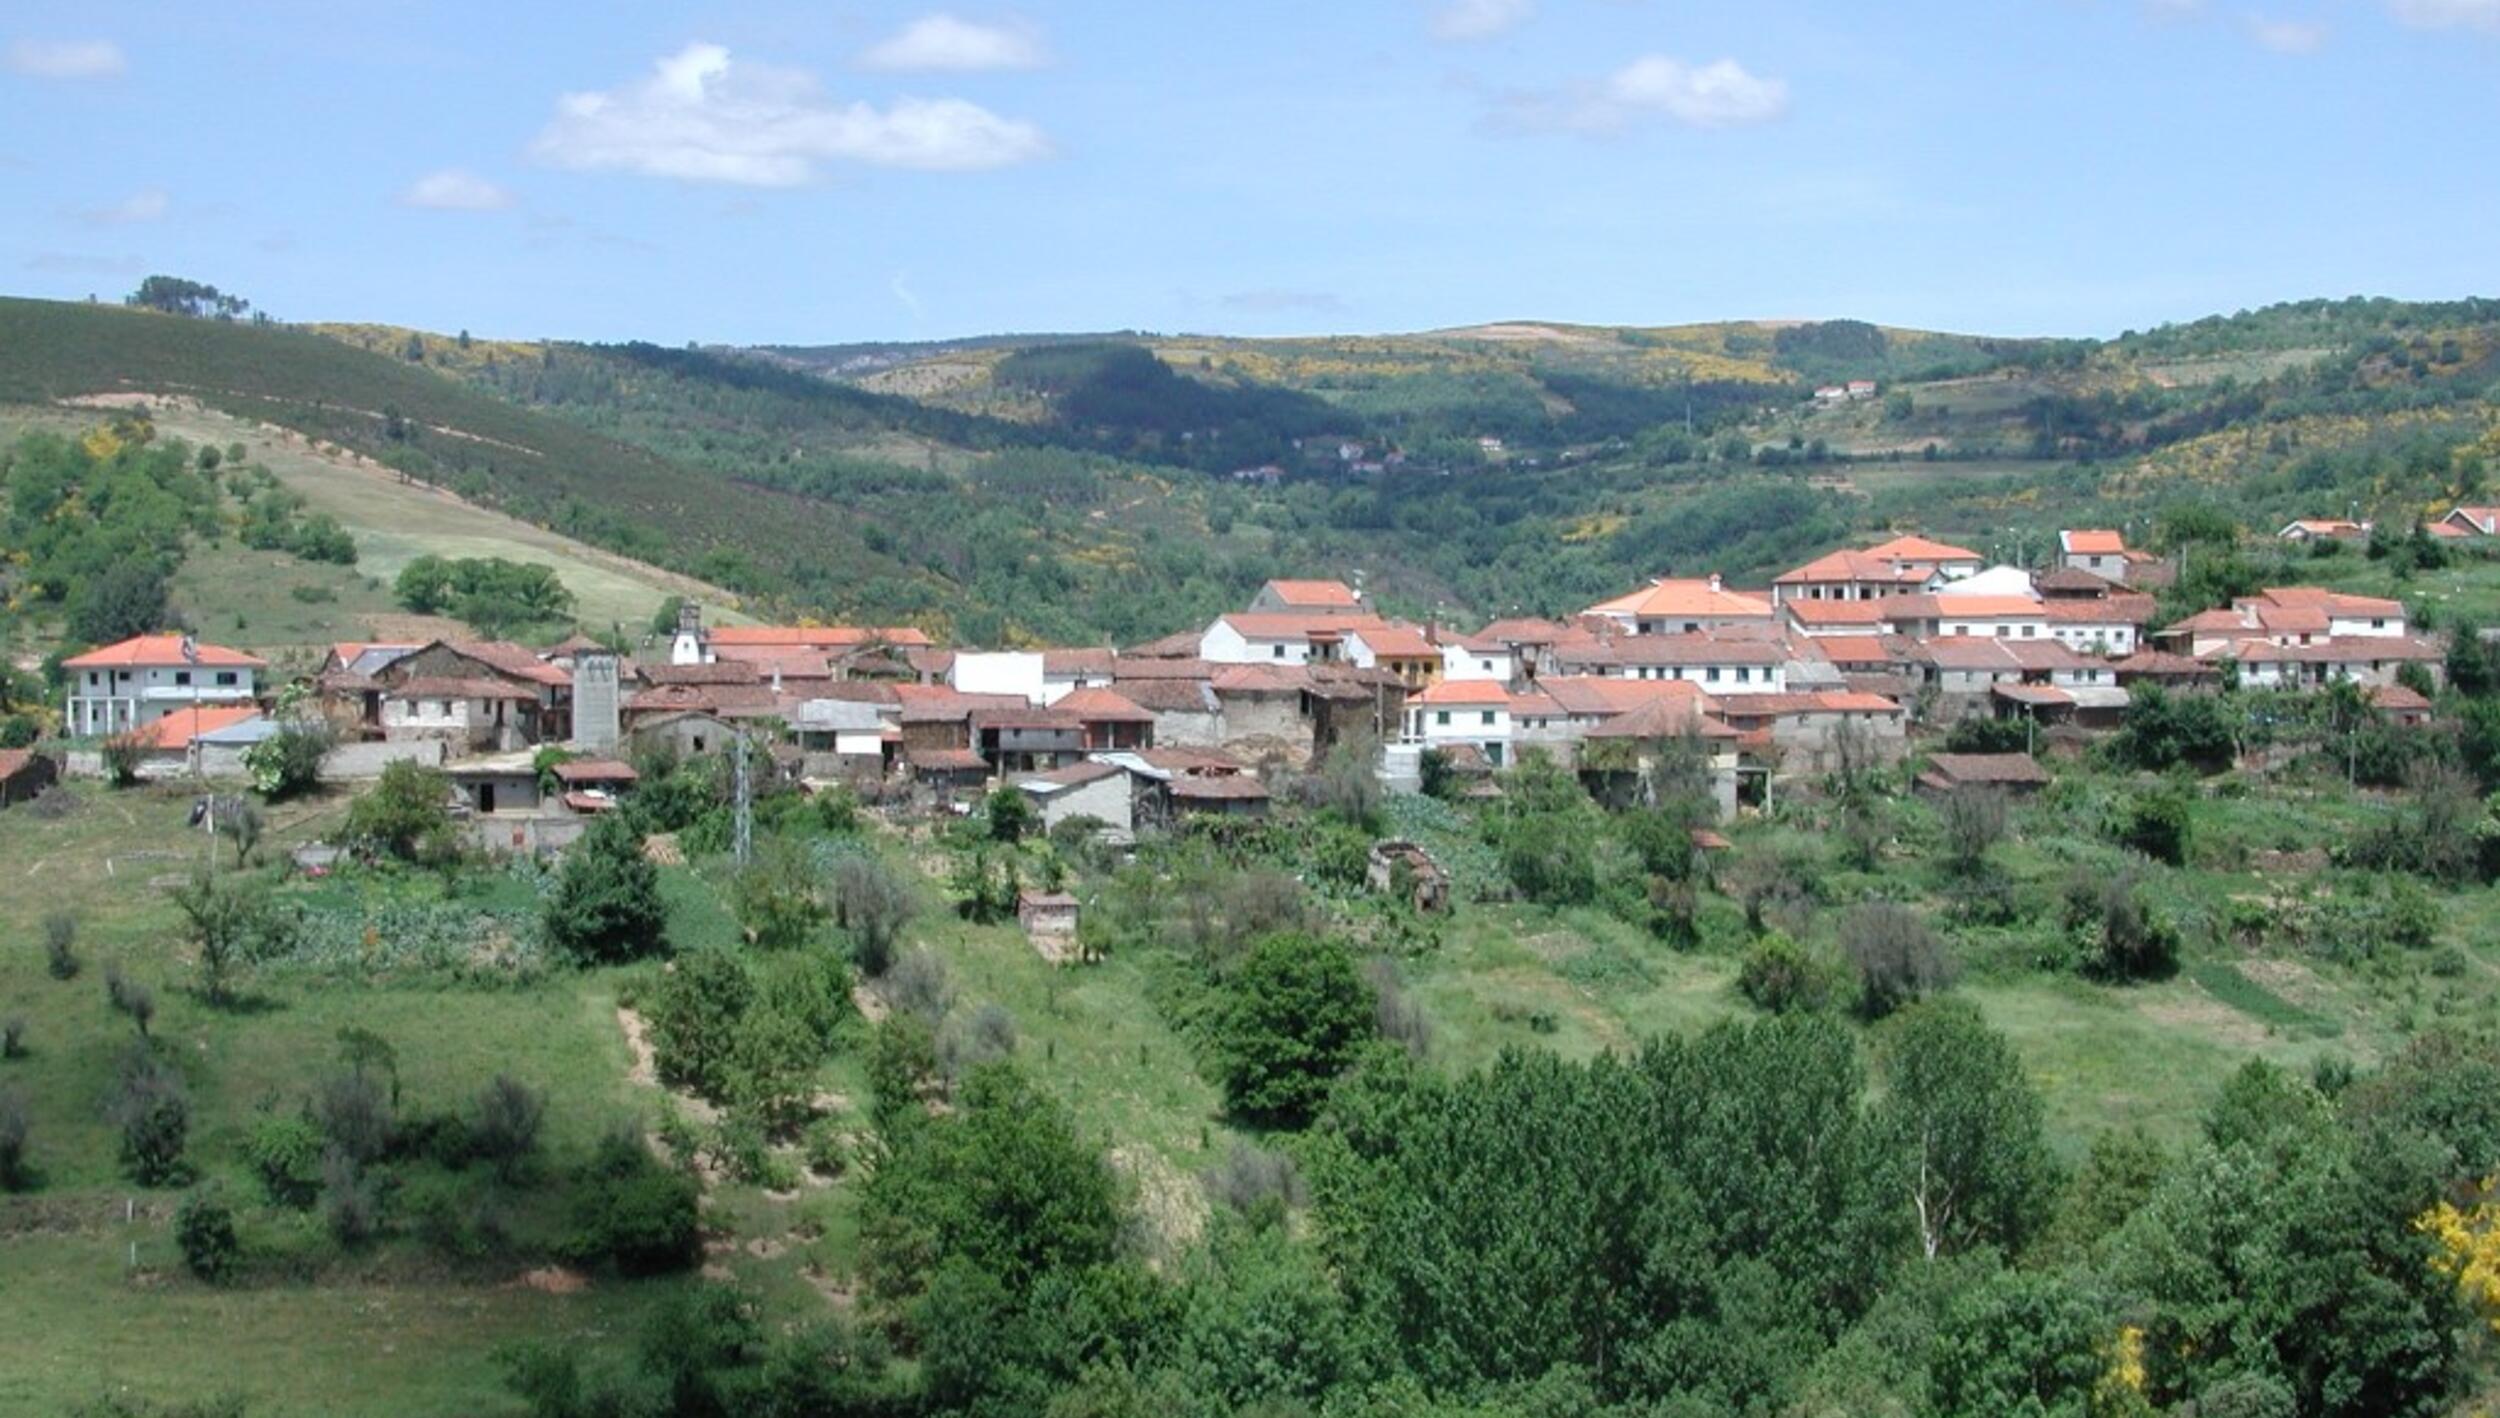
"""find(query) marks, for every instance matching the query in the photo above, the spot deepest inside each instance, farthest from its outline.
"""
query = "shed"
(2017, 773)
(1401, 867)
(1050, 919)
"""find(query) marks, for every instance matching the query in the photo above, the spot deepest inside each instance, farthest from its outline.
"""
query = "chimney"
(595, 701)
(1714, 580)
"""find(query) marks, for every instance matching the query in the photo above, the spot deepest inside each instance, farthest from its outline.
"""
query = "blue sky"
(793, 172)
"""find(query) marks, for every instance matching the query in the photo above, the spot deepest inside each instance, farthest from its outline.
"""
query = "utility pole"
(742, 841)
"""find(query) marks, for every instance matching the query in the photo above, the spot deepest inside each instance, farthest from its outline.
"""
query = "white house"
(1017, 672)
(1683, 608)
(1719, 665)
(1453, 712)
(1278, 638)
(1477, 658)
(141, 680)
(1995, 581)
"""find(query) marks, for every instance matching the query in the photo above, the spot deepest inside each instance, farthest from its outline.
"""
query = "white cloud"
(67, 59)
(2285, 36)
(2448, 14)
(81, 263)
(704, 117)
(455, 190)
(944, 43)
(1720, 94)
(1480, 19)
(148, 204)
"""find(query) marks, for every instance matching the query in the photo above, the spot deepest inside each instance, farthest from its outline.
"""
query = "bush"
(1394, 1016)
(2155, 824)
(1008, 815)
(1294, 1015)
(606, 907)
(1974, 821)
(1254, 1181)
(284, 1151)
(405, 815)
(355, 1116)
(2125, 941)
(1898, 958)
(350, 1205)
(504, 1121)
(1781, 976)
(153, 1111)
(288, 763)
(631, 1213)
(129, 997)
(919, 985)
(987, 1035)
(204, 1228)
(60, 940)
(13, 1037)
(15, 1173)
(872, 904)
(902, 1057)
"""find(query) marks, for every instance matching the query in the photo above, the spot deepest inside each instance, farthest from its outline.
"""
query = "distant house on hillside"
(1307, 598)
(141, 680)
(2331, 529)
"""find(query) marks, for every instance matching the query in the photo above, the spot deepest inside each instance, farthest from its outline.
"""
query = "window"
(225, 679)
(1276, 652)
(1711, 674)
(2378, 623)
(1743, 675)
(92, 679)
(1488, 718)
(1442, 718)
(182, 677)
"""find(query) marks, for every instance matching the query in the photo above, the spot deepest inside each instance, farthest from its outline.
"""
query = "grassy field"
(392, 519)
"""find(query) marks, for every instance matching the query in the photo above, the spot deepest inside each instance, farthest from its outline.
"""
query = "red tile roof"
(820, 635)
(1103, 706)
(1696, 599)
(1313, 595)
(176, 730)
(1914, 548)
(2093, 542)
(152, 651)
(1474, 692)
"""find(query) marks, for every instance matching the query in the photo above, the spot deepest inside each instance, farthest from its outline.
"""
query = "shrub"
(288, 762)
(13, 1037)
(406, 814)
(504, 1121)
(129, 997)
(60, 940)
(606, 907)
(919, 984)
(986, 1035)
(350, 1205)
(775, 898)
(204, 1228)
(872, 904)
(2156, 824)
(2126, 941)
(1394, 1016)
(902, 1057)
(1781, 976)
(1008, 815)
(222, 916)
(14, 1171)
(1974, 821)
(631, 1213)
(355, 1116)
(1294, 1015)
(122, 754)
(1254, 1181)
(284, 1151)
(153, 1111)
(1898, 958)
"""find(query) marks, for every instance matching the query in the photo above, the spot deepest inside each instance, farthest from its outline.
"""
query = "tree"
(2156, 824)
(1009, 815)
(222, 918)
(2019, 1342)
(1967, 1131)
(606, 907)
(204, 1229)
(288, 763)
(1897, 956)
(1974, 821)
(15, 1172)
(872, 903)
(174, 295)
(127, 597)
(504, 1122)
(695, 1018)
(406, 815)
(2473, 671)
(153, 1111)
(775, 897)
(1295, 1013)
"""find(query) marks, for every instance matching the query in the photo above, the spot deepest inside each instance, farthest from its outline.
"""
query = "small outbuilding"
(2018, 774)
(1403, 869)
(24, 774)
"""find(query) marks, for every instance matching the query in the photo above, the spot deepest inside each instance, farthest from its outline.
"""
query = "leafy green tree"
(119, 601)
(2157, 824)
(1263, 1327)
(406, 814)
(2020, 1342)
(204, 1229)
(1967, 1130)
(606, 907)
(1295, 1013)
(1009, 815)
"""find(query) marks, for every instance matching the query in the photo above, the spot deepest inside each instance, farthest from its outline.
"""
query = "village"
(1837, 663)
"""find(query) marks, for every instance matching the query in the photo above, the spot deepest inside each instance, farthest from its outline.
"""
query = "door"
(486, 797)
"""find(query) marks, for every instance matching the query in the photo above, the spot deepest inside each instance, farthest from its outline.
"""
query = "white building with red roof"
(143, 679)
(1308, 598)
(1666, 607)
